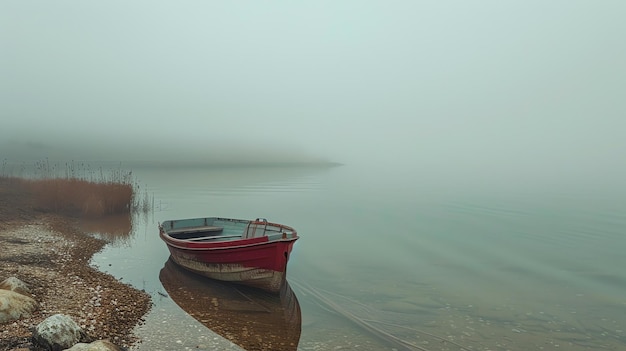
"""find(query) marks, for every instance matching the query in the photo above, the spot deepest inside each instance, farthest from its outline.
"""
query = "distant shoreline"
(260, 164)
(9, 166)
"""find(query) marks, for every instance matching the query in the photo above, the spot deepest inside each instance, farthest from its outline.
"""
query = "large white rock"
(58, 332)
(98, 345)
(15, 306)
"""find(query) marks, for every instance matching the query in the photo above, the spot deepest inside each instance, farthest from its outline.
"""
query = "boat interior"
(218, 229)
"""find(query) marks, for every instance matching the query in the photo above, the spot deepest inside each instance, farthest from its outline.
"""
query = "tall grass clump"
(84, 191)
(81, 197)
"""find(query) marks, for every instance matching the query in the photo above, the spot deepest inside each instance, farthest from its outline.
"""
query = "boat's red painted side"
(256, 261)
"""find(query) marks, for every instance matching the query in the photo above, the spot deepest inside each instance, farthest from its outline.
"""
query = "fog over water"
(476, 90)
(481, 196)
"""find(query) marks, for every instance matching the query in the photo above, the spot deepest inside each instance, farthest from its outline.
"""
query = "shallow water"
(388, 262)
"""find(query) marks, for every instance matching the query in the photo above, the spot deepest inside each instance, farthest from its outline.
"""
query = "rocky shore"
(51, 255)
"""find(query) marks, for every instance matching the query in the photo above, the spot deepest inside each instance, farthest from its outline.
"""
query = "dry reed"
(80, 197)
(83, 191)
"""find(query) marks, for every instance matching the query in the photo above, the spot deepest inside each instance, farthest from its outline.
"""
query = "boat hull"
(258, 261)
(263, 271)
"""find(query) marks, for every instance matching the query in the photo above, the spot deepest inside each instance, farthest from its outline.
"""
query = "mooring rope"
(388, 337)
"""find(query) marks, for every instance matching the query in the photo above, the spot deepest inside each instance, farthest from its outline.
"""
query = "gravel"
(51, 255)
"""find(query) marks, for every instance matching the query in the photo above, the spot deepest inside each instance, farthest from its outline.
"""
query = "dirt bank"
(51, 255)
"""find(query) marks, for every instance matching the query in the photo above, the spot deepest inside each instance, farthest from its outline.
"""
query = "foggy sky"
(457, 86)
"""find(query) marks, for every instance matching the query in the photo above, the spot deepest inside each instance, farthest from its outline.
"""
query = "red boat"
(253, 253)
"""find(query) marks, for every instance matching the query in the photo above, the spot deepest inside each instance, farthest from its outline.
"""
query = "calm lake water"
(393, 261)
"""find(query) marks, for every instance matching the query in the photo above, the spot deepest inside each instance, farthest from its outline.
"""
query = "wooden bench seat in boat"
(203, 229)
(195, 232)
(215, 238)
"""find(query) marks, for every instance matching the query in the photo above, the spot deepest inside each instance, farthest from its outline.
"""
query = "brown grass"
(77, 197)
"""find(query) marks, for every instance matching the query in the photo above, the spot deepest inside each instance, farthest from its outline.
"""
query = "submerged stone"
(98, 345)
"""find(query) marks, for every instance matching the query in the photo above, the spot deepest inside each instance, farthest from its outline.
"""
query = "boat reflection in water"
(251, 318)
